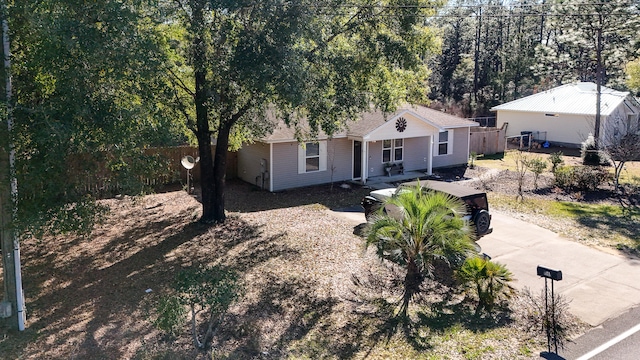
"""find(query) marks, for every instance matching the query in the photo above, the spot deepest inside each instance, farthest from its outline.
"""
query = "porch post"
(430, 156)
(364, 164)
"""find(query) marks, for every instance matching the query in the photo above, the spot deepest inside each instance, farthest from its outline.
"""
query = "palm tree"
(490, 280)
(429, 228)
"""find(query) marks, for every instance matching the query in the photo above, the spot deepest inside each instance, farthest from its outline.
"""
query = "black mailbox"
(549, 273)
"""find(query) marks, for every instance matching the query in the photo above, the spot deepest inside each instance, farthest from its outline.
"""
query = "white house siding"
(564, 129)
(285, 165)
(460, 148)
(621, 120)
(249, 168)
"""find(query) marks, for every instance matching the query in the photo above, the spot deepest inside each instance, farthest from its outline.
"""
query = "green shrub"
(209, 290)
(170, 314)
(473, 156)
(581, 177)
(488, 280)
(589, 152)
(536, 165)
(589, 177)
(564, 177)
(556, 160)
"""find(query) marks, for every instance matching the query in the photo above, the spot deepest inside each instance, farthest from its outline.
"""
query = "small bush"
(564, 177)
(589, 177)
(536, 165)
(170, 314)
(585, 178)
(207, 290)
(489, 281)
(590, 153)
(473, 156)
(556, 160)
(534, 317)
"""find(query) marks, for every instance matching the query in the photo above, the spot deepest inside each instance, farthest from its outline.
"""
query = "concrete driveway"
(598, 285)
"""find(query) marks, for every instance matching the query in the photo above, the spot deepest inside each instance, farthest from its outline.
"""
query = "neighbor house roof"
(575, 99)
(372, 120)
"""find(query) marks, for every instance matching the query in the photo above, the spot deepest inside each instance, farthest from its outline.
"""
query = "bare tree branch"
(180, 83)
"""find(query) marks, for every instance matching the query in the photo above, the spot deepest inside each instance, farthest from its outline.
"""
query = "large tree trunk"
(203, 132)
(219, 171)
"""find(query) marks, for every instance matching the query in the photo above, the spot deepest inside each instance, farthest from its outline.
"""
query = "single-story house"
(414, 138)
(565, 115)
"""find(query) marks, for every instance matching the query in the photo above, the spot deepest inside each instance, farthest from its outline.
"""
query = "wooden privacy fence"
(487, 141)
(179, 174)
(173, 172)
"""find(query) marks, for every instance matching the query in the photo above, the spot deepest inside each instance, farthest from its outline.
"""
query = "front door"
(357, 160)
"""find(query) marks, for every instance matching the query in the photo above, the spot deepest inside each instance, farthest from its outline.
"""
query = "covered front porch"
(384, 181)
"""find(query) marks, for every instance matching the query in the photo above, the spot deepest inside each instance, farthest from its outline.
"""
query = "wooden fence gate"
(487, 141)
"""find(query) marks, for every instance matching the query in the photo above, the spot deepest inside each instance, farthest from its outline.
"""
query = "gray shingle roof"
(370, 121)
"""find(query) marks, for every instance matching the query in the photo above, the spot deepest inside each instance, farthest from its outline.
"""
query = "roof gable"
(377, 121)
(371, 121)
(576, 98)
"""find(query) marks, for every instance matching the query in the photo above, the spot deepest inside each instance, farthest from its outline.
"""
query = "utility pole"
(12, 306)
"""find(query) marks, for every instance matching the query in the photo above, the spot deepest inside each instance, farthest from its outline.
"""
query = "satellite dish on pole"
(188, 162)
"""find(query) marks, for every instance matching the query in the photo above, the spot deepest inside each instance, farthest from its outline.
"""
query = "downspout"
(468, 143)
(270, 167)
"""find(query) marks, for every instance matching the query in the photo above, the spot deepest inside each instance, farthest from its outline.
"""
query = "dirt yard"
(91, 298)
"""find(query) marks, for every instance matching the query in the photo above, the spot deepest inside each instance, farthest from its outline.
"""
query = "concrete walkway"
(598, 285)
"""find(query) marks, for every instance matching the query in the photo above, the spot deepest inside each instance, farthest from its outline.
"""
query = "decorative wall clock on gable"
(401, 124)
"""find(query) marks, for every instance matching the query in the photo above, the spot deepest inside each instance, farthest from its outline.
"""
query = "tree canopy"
(88, 90)
(318, 62)
(95, 83)
(494, 52)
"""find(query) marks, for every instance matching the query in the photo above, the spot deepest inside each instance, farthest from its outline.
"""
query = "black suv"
(475, 200)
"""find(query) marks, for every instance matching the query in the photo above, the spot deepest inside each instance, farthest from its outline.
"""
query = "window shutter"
(302, 163)
(323, 156)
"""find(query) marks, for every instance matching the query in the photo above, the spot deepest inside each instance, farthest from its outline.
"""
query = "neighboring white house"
(417, 137)
(567, 113)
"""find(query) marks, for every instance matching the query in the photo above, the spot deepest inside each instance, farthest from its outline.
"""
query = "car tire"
(482, 221)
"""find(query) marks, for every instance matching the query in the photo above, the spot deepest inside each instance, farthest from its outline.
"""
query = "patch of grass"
(609, 225)
(578, 210)
(631, 173)
(496, 161)
(527, 205)
(525, 350)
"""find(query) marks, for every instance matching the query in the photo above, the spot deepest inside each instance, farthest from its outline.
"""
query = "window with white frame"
(312, 157)
(398, 145)
(392, 150)
(444, 142)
